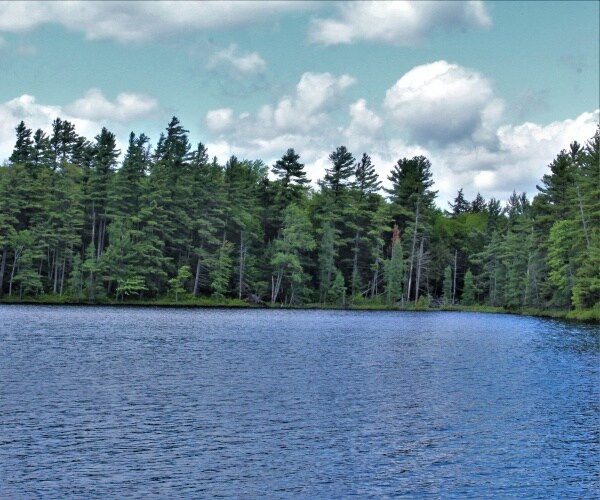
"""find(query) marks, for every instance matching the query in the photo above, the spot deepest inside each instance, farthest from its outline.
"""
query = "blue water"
(130, 403)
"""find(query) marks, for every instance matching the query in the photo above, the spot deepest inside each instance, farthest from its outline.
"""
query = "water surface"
(140, 402)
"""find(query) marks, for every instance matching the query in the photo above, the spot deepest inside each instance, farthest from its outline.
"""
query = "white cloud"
(316, 94)
(397, 22)
(364, 121)
(137, 21)
(523, 154)
(25, 108)
(127, 106)
(244, 64)
(303, 113)
(516, 159)
(87, 120)
(442, 111)
(444, 103)
(220, 119)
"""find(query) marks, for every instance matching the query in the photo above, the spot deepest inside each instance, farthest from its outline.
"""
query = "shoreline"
(582, 316)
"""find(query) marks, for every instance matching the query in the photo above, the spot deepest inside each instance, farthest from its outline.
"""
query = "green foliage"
(447, 291)
(468, 294)
(134, 285)
(176, 284)
(394, 274)
(221, 271)
(169, 224)
(337, 291)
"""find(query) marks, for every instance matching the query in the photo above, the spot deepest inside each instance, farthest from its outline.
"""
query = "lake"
(100, 402)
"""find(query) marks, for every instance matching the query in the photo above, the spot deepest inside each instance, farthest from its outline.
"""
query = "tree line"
(169, 220)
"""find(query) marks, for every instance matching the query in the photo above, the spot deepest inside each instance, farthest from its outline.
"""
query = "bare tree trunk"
(93, 225)
(375, 279)
(62, 274)
(196, 278)
(56, 269)
(419, 261)
(585, 230)
(2, 268)
(355, 264)
(101, 234)
(276, 285)
(241, 271)
(12, 272)
(412, 253)
(454, 280)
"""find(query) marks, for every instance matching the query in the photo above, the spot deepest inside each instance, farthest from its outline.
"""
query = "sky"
(489, 92)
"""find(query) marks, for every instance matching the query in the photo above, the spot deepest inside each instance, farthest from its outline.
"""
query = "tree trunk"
(241, 270)
(276, 285)
(454, 280)
(56, 269)
(419, 261)
(2, 267)
(412, 253)
(62, 274)
(585, 230)
(355, 264)
(93, 225)
(12, 272)
(375, 279)
(197, 278)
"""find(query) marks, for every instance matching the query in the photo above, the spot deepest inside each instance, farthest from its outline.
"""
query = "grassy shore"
(586, 315)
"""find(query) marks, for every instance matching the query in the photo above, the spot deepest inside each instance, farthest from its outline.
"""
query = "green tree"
(337, 292)
(289, 251)
(177, 284)
(447, 292)
(468, 294)
(394, 270)
(220, 273)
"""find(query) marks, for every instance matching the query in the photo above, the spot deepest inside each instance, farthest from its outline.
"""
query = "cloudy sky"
(490, 92)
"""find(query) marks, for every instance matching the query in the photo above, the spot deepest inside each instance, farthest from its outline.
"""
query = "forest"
(80, 225)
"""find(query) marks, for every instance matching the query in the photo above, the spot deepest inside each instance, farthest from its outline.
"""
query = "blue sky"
(488, 91)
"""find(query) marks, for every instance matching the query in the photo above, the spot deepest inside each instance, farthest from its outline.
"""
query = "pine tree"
(366, 203)
(394, 270)
(460, 205)
(468, 294)
(447, 291)
(289, 250)
(23, 151)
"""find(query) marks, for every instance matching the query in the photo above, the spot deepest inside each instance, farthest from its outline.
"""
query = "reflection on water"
(98, 402)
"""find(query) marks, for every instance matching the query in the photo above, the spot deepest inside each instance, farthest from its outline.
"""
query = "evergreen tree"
(468, 294)
(337, 177)
(478, 205)
(460, 205)
(394, 270)
(23, 151)
(289, 251)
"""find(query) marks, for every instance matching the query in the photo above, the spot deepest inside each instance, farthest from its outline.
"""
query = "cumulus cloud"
(243, 64)
(82, 113)
(35, 115)
(220, 119)
(444, 103)
(365, 125)
(396, 22)
(307, 110)
(523, 154)
(302, 120)
(127, 106)
(137, 21)
(486, 155)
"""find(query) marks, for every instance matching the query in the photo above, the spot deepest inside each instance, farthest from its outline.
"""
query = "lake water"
(100, 402)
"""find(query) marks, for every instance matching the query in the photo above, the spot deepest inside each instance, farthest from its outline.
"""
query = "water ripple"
(131, 403)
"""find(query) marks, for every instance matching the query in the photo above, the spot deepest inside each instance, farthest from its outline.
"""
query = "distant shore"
(585, 315)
